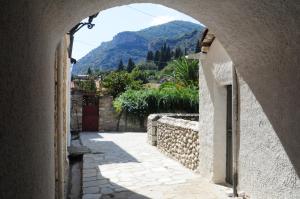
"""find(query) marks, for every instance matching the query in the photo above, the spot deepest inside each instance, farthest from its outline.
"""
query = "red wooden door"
(90, 113)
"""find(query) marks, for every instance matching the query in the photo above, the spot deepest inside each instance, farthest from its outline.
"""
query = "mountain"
(136, 45)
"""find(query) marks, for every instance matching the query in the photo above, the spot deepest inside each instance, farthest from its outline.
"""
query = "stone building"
(261, 40)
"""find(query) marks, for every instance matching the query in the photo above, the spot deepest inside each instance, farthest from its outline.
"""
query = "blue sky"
(124, 18)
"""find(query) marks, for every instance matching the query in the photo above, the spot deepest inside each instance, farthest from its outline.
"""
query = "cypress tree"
(150, 56)
(121, 65)
(163, 53)
(172, 54)
(89, 71)
(130, 65)
(178, 53)
(168, 54)
(156, 57)
(163, 56)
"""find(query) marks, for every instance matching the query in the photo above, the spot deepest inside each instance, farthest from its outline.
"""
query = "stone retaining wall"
(177, 138)
(76, 111)
(152, 123)
(108, 118)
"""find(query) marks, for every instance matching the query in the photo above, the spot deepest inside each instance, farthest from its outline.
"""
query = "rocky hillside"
(136, 45)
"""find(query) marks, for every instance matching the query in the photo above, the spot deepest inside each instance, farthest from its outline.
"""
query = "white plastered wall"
(215, 73)
(262, 161)
(264, 169)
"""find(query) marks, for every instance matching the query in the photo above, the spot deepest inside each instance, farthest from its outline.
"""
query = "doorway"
(90, 113)
(229, 136)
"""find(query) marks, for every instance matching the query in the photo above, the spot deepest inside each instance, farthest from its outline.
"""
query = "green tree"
(121, 65)
(147, 66)
(139, 75)
(156, 57)
(150, 56)
(89, 71)
(118, 82)
(87, 85)
(178, 53)
(168, 54)
(130, 65)
(172, 54)
(91, 86)
(164, 56)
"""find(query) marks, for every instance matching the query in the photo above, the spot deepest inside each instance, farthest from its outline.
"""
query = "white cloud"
(161, 20)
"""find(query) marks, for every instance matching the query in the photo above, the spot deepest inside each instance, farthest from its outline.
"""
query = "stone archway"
(261, 38)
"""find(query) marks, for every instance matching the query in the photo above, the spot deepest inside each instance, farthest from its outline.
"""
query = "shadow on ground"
(127, 194)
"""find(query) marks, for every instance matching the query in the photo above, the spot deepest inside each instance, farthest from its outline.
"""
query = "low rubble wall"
(178, 138)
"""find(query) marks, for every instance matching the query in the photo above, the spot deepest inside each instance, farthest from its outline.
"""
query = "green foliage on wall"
(169, 97)
(87, 85)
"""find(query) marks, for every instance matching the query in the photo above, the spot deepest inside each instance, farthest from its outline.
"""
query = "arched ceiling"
(261, 37)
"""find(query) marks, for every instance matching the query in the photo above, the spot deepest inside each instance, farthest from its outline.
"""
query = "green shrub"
(178, 98)
(170, 97)
(186, 71)
(118, 82)
(139, 75)
(182, 71)
(86, 85)
(147, 66)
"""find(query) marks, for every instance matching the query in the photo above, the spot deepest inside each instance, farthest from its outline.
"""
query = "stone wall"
(76, 111)
(179, 139)
(108, 117)
(152, 123)
(152, 128)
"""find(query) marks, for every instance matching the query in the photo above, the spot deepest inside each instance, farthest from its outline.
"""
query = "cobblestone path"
(124, 165)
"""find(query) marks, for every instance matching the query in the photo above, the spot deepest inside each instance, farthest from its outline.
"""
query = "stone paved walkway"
(124, 165)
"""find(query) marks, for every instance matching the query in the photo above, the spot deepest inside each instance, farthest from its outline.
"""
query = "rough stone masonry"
(179, 139)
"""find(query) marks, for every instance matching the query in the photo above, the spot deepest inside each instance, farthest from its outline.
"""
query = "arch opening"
(222, 166)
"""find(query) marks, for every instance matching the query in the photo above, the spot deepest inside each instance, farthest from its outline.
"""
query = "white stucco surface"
(264, 169)
(215, 75)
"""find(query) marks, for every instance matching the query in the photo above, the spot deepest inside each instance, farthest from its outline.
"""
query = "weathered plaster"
(62, 132)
